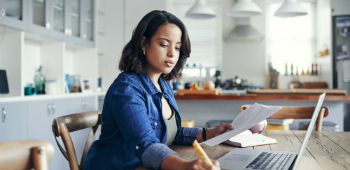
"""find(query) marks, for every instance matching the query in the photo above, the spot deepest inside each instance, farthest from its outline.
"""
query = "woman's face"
(163, 51)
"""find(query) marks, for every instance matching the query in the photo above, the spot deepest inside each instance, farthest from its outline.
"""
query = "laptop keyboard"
(267, 160)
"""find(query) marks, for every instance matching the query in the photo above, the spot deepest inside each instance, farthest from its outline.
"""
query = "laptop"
(244, 159)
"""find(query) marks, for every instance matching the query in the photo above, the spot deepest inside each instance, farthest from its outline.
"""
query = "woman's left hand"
(220, 129)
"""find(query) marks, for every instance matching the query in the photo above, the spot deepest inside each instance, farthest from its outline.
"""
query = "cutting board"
(199, 92)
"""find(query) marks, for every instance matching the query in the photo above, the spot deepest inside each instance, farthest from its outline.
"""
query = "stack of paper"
(245, 120)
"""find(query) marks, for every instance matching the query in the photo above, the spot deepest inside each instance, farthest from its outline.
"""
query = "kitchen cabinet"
(83, 104)
(73, 21)
(59, 108)
(78, 105)
(13, 124)
(13, 14)
(67, 20)
(59, 21)
(39, 17)
(88, 22)
(40, 116)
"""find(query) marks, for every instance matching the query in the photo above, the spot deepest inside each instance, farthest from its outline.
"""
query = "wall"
(244, 59)
(136, 9)
(324, 36)
(121, 18)
(112, 42)
(10, 59)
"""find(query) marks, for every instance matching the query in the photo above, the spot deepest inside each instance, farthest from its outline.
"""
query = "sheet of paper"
(245, 120)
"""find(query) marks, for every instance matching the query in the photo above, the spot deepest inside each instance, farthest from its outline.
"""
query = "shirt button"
(155, 123)
(137, 147)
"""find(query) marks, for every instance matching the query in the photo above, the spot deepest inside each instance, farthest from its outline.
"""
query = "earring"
(144, 52)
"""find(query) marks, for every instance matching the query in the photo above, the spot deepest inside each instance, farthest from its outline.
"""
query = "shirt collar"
(149, 85)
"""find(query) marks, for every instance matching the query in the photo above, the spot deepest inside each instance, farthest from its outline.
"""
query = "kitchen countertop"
(262, 97)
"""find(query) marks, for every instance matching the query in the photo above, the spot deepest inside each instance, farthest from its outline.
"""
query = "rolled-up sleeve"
(130, 113)
(152, 160)
(186, 136)
(190, 134)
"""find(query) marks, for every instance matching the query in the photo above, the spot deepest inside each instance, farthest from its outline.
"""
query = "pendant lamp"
(200, 10)
(244, 8)
(290, 8)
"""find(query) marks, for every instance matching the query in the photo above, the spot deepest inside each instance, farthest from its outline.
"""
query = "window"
(291, 40)
(206, 40)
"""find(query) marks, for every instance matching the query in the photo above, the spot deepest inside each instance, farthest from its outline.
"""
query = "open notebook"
(245, 120)
(247, 139)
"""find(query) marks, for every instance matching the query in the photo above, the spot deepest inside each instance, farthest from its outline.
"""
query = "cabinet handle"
(3, 12)
(53, 108)
(48, 108)
(48, 25)
(3, 115)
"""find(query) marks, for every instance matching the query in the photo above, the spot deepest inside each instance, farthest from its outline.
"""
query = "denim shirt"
(134, 130)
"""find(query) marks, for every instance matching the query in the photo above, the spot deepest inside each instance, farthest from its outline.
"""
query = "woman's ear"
(143, 46)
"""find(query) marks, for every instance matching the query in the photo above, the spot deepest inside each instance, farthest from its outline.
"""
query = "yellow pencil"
(201, 152)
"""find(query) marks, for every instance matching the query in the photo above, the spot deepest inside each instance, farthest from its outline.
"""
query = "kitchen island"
(202, 108)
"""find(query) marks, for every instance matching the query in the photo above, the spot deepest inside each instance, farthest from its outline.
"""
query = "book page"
(245, 120)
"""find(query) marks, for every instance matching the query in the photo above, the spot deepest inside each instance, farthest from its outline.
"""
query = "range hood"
(244, 32)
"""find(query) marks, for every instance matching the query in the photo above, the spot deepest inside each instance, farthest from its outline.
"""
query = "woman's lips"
(169, 63)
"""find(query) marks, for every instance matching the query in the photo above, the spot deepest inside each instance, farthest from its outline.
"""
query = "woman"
(140, 115)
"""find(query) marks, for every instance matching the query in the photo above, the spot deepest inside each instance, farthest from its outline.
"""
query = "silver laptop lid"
(309, 129)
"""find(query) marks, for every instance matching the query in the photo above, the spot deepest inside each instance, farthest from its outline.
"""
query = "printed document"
(245, 120)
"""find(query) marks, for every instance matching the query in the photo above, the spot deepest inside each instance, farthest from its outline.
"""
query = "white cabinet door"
(13, 121)
(39, 120)
(90, 103)
(78, 105)
(75, 105)
(59, 108)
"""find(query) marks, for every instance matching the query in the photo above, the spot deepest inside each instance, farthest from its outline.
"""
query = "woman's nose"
(171, 52)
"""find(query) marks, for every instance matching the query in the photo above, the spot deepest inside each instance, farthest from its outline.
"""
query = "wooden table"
(325, 150)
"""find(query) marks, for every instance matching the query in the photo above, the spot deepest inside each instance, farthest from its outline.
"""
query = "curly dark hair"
(132, 57)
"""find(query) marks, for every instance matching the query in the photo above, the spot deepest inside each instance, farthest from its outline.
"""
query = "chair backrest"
(25, 154)
(63, 125)
(298, 112)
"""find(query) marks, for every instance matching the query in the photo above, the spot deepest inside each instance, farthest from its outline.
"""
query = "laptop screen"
(309, 129)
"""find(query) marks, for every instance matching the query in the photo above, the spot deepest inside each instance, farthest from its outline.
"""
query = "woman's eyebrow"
(169, 40)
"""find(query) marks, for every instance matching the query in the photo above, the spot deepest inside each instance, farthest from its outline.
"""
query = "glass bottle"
(286, 69)
(296, 71)
(39, 81)
(291, 69)
(218, 79)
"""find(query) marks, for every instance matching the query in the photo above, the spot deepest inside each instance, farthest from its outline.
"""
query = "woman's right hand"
(200, 164)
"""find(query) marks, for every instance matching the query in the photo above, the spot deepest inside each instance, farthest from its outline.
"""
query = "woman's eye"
(177, 49)
(163, 45)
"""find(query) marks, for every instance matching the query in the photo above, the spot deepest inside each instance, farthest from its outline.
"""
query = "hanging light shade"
(200, 10)
(244, 8)
(290, 8)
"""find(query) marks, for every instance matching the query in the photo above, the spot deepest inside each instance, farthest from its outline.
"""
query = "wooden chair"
(25, 154)
(63, 125)
(298, 112)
